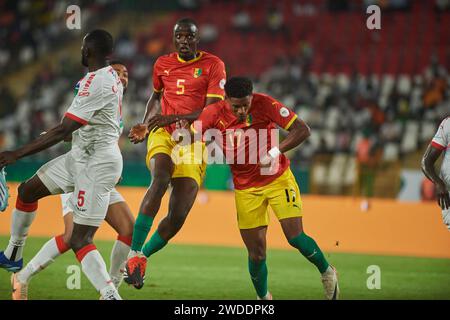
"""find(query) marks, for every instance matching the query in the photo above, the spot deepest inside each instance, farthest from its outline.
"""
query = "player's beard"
(84, 60)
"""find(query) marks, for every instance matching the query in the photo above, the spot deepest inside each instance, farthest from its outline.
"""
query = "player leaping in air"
(118, 216)
(261, 183)
(440, 145)
(91, 169)
(184, 82)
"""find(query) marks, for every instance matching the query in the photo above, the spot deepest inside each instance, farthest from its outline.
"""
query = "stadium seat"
(391, 152)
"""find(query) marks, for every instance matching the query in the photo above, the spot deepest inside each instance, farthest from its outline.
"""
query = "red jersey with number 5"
(251, 139)
(185, 85)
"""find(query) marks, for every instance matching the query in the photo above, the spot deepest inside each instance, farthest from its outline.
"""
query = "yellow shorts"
(282, 194)
(188, 160)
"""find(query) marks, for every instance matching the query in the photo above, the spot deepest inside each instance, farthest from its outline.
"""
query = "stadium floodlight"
(4, 191)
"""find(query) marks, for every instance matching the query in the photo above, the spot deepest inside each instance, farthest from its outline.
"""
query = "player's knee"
(257, 256)
(66, 237)
(78, 242)
(26, 193)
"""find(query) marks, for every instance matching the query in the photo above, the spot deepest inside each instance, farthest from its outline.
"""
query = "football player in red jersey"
(245, 119)
(184, 82)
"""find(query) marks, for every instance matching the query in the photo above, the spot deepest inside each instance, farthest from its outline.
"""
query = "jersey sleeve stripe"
(437, 145)
(290, 122)
(212, 95)
(75, 118)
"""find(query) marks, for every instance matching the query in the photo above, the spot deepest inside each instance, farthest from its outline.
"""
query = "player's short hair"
(117, 61)
(185, 21)
(238, 87)
(101, 40)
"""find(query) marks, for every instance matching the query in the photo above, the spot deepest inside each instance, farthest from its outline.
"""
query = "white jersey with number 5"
(98, 106)
(441, 141)
(92, 168)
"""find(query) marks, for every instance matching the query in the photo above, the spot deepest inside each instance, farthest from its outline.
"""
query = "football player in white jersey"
(90, 170)
(440, 145)
(118, 216)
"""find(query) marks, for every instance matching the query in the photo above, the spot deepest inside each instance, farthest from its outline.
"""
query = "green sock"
(140, 232)
(155, 244)
(258, 273)
(309, 248)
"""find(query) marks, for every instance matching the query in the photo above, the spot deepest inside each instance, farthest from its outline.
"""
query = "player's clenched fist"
(7, 157)
(138, 133)
(442, 194)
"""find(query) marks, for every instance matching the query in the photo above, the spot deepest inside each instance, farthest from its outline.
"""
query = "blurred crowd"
(348, 113)
(32, 29)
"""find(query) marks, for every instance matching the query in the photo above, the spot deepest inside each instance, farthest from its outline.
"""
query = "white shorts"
(114, 197)
(90, 178)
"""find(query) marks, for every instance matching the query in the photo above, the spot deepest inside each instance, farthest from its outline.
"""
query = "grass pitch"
(206, 272)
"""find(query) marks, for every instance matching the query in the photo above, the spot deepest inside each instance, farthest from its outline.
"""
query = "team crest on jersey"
(197, 72)
(249, 120)
(77, 87)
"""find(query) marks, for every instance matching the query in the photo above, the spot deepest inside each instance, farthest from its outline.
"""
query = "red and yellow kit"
(254, 190)
(185, 85)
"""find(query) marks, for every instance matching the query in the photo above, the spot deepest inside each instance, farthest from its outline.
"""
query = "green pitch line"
(206, 272)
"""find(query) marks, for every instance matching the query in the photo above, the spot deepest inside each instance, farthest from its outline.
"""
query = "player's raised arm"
(45, 141)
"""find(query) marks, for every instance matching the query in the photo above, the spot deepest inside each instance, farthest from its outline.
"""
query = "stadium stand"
(390, 85)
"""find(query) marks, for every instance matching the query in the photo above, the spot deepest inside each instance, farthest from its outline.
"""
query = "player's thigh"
(119, 215)
(189, 161)
(68, 226)
(284, 197)
(255, 242)
(161, 167)
(193, 171)
(32, 190)
(56, 175)
(251, 208)
(159, 151)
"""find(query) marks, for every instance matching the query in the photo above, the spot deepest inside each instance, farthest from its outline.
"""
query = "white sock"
(49, 251)
(118, 258)
(20, 224)
(94, 268)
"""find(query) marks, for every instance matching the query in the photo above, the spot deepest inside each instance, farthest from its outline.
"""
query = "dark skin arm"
(298, 132)
(153, 119)
(45, 141)
(428, 162)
